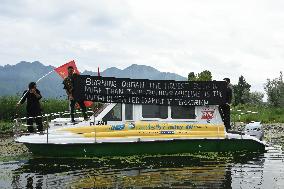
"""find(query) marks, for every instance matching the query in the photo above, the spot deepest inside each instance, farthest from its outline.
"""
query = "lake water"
(206, 170)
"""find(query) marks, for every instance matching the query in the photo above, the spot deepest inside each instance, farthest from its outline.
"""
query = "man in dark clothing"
(224, 109)
(33, 107)
(69, 88)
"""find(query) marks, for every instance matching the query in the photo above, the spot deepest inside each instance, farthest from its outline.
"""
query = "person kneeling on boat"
(69, 88)
(33, 107)
(225, 108)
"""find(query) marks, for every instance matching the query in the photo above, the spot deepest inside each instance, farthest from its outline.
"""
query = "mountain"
(15, 78)
(138, 72)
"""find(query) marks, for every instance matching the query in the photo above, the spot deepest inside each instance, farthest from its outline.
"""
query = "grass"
(9, 111)
(263, 113)
(6, 127)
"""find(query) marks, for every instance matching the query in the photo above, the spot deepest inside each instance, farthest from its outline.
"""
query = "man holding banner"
(224, 109)
(69, 87)
(69, 72)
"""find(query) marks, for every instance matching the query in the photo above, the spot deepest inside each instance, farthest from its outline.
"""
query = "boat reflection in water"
(206, 170)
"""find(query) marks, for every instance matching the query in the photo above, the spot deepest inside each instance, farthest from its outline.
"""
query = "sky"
(228, 37)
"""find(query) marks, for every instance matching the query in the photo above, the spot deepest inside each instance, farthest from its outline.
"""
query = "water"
(207, 170)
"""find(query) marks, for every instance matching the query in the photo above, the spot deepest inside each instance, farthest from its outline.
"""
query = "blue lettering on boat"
(167, 132)
(117, 127)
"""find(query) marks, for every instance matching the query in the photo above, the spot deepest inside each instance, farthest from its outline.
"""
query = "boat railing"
(19, 127)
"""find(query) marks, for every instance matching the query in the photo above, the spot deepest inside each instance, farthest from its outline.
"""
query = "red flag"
(88, 103)
(63, 72)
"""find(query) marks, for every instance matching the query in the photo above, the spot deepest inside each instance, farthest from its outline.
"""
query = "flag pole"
(36, 82)
(45, 76)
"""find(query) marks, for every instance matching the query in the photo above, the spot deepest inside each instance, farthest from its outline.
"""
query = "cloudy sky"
(230, 38)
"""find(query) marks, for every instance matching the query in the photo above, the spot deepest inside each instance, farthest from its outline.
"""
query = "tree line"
(274, 89)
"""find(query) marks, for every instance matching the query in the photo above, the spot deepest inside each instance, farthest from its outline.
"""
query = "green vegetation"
(264, 113)
(241, 92)
(6, 127)
(8, 108)
(202, 76)
(9, 111)
(275, 91)
(248, 106)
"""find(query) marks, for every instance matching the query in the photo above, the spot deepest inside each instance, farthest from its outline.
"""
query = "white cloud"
(229, 38)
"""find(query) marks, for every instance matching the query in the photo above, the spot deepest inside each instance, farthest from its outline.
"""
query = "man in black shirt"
(224, 109)
(69, 88)
(33, 107)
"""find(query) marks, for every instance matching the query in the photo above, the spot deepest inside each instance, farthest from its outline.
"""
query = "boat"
(129, 129)
(123, 129)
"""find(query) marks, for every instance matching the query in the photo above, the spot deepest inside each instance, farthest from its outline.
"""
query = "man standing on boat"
(224, 109)
(33, 107)
(69, 88)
